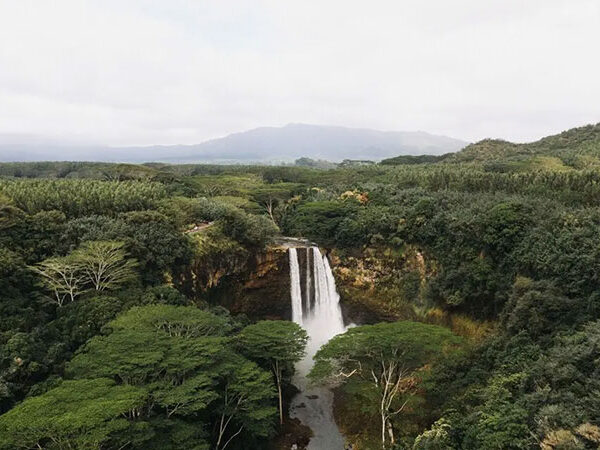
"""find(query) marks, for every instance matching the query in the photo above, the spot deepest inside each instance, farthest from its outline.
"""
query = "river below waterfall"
(315, 307)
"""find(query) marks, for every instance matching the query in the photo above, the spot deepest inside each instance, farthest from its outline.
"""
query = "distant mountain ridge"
(265, 144)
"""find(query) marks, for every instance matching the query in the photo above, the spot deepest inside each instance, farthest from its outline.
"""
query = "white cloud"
(145, 72)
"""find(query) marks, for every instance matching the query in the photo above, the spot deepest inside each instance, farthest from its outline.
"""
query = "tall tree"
(62, 276)
(105, 264)
(270, 197)
(276, 345)
(386, 356)
(245, 402)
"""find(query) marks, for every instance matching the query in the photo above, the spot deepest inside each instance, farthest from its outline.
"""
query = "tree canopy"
(387, 357)
(276, 345)
(112, 275)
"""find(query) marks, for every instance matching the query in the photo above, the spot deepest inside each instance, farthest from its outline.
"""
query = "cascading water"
(296, 291)
(317, 310)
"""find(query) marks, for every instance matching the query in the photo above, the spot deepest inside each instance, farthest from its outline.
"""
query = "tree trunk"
(278, 380)
(269, 207)
(383, 422)
(390, 430)
(280, 402)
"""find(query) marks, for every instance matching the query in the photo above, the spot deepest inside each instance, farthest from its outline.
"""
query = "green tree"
(105, 264)
(159, 344)
(501, 423)
(77, 414)
(276, 345)
(319, 221)
(9, 214)
(245, 402)
(271, 197)
(99, 265)
(175, 321)
(438, 437)
(386, 356)
(184, 359)
(538, 308)
(63, 277)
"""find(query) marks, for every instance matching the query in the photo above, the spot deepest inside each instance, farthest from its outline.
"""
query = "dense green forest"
(478, 270)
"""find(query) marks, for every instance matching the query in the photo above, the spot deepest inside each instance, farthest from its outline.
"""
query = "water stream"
(315, 306)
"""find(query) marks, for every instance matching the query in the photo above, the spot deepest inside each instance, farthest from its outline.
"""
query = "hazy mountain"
(266, 144)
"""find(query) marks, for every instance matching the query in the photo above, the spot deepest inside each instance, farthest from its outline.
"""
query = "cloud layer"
(157, 72)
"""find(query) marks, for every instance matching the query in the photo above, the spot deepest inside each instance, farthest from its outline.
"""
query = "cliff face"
(381, 283)
(260, 290)
(376, 283)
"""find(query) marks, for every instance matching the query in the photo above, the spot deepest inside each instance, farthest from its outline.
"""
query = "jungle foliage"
(99, 345)
(499, 234)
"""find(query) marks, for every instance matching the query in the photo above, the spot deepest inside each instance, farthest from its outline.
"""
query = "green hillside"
(576, 148)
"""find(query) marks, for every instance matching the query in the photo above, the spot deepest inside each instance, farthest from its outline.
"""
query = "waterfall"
(296, 291)
(317, 310)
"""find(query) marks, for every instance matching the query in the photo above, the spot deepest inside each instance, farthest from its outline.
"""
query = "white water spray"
(296, 291)
(318, 311)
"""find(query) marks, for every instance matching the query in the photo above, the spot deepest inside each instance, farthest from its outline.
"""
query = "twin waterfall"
(315, 307)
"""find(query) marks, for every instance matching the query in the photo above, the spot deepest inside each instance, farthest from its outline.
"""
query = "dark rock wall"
(261, 291)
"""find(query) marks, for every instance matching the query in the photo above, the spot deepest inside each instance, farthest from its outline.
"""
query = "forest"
(472, 279)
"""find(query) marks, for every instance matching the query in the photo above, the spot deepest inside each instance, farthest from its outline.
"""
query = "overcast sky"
(128, 72)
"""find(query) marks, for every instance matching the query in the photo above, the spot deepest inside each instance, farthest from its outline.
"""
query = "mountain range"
(261, 145)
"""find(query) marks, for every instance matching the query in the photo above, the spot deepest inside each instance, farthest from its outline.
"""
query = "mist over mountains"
(262, 145)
